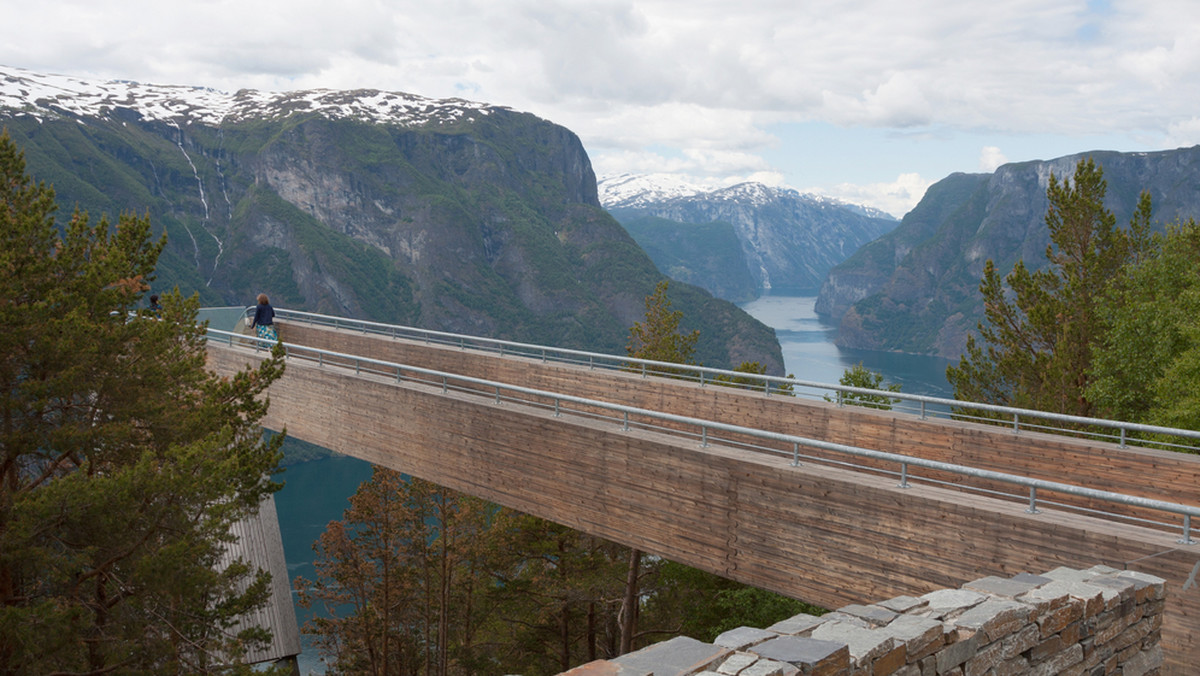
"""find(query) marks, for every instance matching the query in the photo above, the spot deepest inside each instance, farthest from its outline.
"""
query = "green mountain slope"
(916, 289)
(477, 222)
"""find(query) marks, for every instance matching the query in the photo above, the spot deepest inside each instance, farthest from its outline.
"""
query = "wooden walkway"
(825, 533)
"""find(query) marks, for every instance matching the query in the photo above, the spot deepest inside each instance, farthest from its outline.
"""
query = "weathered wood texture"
(259, 542)
(824, 534)
(1163, 475)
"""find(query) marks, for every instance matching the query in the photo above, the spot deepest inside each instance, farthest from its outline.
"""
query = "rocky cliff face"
(916, 289)
(442, 214)
(788, 240)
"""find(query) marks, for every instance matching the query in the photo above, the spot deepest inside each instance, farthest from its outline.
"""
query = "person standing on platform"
(264, 319)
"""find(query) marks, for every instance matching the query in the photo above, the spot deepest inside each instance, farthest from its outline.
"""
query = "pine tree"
(658, 338)
(1042, 326)
(123, 462)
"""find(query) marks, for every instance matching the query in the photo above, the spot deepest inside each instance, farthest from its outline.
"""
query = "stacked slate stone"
(1067, 621)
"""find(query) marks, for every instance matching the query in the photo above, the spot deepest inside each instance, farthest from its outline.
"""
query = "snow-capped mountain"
(43, 95)
(623, 191)
(789, 239)
(632, 190)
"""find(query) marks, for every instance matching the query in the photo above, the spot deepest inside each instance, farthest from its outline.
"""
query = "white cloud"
(895, 197)
(1184, 132)
(695, 84)
(990, 158)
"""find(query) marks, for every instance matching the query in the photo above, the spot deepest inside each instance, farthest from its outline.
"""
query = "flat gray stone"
(1091, 595)
(915, 632)
(679, 655)
(865, 644)
(996, 618)
(945, 601)
(765, 667)
(736, 663)
(796, 625)
(1159, 584)
(743, 637)
(1113, 587)
(875, 615)
(1001, 586)
(1144, 577)
(1050, 596)
(605, 668)
(1030, 577)
(1065, 574)
(805, 652)
(903, 604)
(839, 616)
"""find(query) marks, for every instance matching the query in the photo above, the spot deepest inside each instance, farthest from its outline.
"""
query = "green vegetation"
(123, 462)
(1043, 326)
(1108, 329)
(753, 368)
(657, 338)
(861, 376)
(1146, 365)
(702, 605)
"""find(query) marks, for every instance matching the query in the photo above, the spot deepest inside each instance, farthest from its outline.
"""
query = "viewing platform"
(830, 503)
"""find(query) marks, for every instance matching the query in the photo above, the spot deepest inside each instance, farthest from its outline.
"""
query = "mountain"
(916, 289)
(444, 214)
(788, 241)
(708, 255)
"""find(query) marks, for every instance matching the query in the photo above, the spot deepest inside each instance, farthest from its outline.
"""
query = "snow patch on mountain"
(641, 190)
(44, 96)
(630, 190)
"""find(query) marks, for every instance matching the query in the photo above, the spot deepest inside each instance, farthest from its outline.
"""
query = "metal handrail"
(1020, 417)
(331, 358)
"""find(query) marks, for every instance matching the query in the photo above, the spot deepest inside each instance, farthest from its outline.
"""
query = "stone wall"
(1092, 622)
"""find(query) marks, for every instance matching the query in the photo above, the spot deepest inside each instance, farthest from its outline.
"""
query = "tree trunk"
(564, 635)
(591, 631)
(630, 607)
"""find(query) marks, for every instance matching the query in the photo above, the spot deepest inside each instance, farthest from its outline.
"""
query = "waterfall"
(204, 201)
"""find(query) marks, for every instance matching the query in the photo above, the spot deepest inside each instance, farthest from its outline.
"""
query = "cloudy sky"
(866, 100)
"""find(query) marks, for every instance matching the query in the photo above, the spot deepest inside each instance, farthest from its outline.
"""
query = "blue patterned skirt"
(266, 331)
